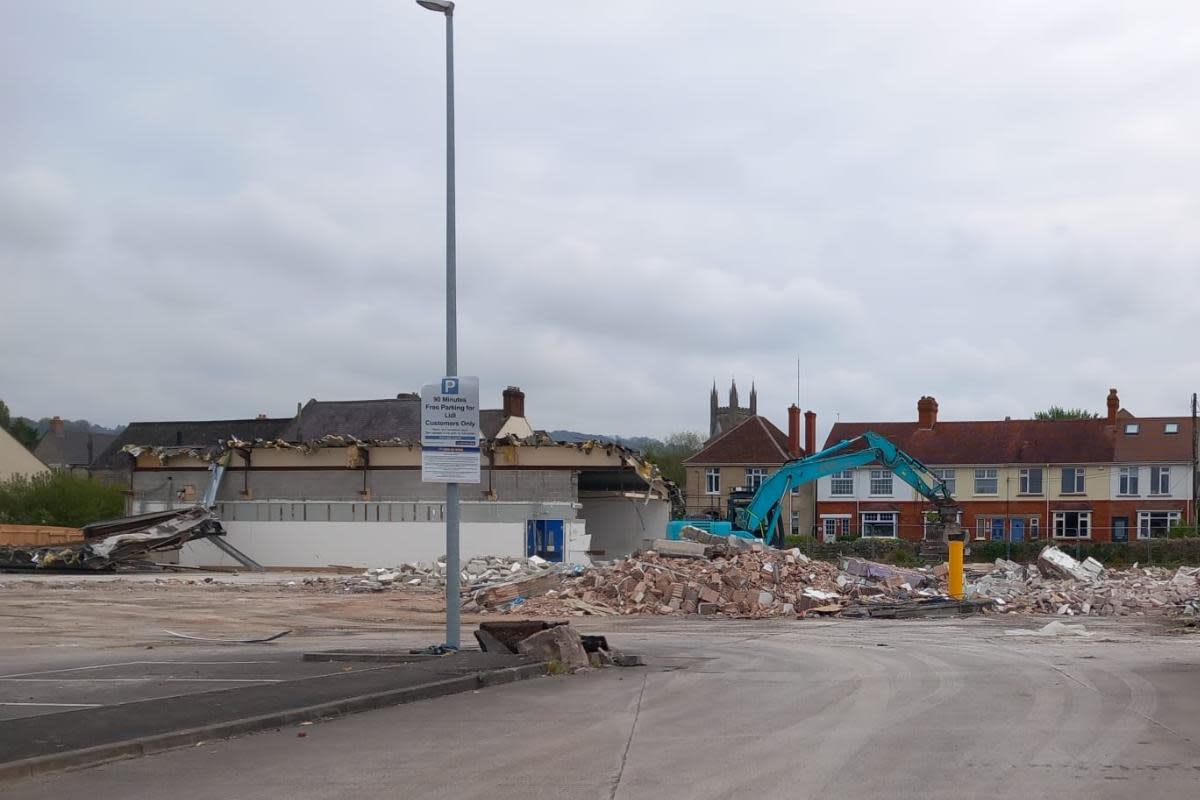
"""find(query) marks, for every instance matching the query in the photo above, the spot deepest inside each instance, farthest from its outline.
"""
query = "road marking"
(56, 705)
(125, 664)
(142, 680)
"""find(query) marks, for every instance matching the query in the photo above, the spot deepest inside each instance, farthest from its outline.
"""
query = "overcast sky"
(215, 209)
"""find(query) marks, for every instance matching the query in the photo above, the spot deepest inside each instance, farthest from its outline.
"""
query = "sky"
(214, 210)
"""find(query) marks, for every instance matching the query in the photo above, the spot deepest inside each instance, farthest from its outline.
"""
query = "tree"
(20, 428)
(669, 454)
(1058, 412)
(58, 498)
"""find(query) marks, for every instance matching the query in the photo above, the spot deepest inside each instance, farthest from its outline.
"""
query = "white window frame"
(795, 523)
(841, 524)
(1083, 528)
(1031, 529)
(1171, 428)
(1144, 519)
(712, 481)
(1079, 482)
(869, 518)
(1160, 480)
(982, 474)
(842, 480)
(1023, 481)
(947, 475)
(1127, 482)
(1132, 428)
(755, 477)
(881, 478)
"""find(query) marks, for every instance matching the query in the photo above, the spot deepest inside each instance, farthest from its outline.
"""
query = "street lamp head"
(441, 6)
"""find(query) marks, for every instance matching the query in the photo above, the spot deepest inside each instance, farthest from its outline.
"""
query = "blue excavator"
(758, 516)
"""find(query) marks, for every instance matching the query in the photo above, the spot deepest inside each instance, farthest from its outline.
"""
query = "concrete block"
(561, 643)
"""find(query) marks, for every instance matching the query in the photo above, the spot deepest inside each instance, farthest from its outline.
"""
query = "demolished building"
(340, 484)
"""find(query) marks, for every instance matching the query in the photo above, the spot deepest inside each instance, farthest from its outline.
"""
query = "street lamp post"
(446, 8)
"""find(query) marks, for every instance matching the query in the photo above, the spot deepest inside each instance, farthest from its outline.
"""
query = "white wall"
(367, 544)
(1181, 482)
(618, 524)
(862, 489)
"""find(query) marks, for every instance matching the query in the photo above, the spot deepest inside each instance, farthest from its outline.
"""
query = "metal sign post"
(450, 455)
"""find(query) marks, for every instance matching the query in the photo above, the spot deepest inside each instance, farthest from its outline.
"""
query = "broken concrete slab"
(561, 643)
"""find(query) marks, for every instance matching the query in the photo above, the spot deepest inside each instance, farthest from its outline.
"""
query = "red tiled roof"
(1152, 442)
(753, 441)
(1018, 441)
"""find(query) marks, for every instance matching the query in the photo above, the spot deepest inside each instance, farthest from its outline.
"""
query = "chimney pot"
(56, 425)
(927, 409)
(810, 432)
(1114, 405)
(514, 402)
(794, 431)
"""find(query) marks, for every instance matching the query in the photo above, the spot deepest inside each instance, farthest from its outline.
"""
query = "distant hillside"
(632, 442)
(42, 426)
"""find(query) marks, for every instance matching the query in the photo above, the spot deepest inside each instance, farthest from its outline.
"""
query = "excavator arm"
(761, 515)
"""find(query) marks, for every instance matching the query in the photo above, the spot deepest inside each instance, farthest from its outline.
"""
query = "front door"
(1017, 527)
(1120, 529)
(998, 529)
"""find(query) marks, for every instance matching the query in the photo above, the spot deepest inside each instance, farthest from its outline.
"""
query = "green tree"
(58, 498)
(1058, 412)
(20, 428)
(669, 454)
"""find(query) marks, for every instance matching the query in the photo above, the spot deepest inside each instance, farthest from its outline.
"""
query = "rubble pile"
(1060, 585)
(753, 583)
(478, 573)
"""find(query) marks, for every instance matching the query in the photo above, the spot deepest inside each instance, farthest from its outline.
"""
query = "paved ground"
(847, 709)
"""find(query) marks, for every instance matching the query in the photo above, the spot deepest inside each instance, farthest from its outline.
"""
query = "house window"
(881, 482)
(1160, 480)
(1033, 527)
(835, 526)
(1132, 428)
(1128, 481)
(1156, 524)
(879, 523)
(841, 483)
(1072, 524)
(1030, 481)
(946, 476)
(1072, 480)
(986, 481)
(1171, 427)
(712, 481)
(754, 478)
(989, 528)
(795, 523)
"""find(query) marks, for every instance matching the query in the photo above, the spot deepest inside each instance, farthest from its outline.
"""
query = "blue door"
(998, 529)
(544, 538)
(1120, 529)
(1017, 529)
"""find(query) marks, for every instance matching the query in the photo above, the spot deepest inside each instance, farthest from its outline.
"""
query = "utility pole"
(1195, 467)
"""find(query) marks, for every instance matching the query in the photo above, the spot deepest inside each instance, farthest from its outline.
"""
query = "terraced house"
(1115, 478)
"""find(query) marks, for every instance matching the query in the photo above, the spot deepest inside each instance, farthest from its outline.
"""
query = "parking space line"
(126, 664)
(56, 705)
(142, 680)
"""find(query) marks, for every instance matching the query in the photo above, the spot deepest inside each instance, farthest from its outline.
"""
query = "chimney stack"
(794, 431)
(810, 432)
(1114, 405)
(56, 425)
(514, 402)
(927, 409)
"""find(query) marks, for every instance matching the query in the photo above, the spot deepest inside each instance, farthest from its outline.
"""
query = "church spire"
(733, 398)
(753, 400)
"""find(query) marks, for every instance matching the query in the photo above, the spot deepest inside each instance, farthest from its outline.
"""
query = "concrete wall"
(547, 485)
(618, 523)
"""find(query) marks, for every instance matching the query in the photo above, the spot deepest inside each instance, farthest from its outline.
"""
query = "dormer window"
(1131, 428)
(1171, 427)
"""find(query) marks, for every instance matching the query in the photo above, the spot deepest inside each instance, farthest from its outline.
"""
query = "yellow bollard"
(955, 578)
